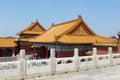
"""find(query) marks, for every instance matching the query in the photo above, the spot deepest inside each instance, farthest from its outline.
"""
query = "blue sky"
(102, 16)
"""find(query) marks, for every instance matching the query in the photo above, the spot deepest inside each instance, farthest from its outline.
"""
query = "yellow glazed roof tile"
(33, 28)
(7, 42)
(73, 32)
(86, 40)
(33, 32)
(56, 30)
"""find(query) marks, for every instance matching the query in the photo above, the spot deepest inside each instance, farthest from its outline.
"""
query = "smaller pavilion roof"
(7, 42)
(33, 28)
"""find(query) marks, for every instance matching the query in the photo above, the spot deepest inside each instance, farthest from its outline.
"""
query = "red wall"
(64, 54)
(27, 48)
(100, 50)
(69, 54)
(104, 50)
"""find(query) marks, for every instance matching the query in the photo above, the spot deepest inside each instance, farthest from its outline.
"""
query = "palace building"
(64, 37)
(7, 46)
(33, 30)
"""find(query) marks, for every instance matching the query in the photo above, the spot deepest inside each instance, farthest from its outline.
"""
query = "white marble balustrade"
(51, 66)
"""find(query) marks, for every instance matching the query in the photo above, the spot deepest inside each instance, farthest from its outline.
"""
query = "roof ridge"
(30, 26)
(89, 28)
(32, 23)
(78, 20)
(79, 17)
(64, 22)
(53, 25)
(35, 23)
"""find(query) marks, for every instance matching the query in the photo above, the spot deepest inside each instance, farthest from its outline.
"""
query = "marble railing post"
(110, 55)
(76, 59)
(22, 64)
(52, 62)
(95, 57)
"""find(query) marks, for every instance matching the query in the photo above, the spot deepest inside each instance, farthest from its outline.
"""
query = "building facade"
(7, 47)
(33, 30)
(64, 37)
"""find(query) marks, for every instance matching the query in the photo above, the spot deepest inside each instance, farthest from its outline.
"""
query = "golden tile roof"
(33, 28)
(33, 32)
(7, 42)
(26, 39)
(23, 39)
(95, 40)
(56, 30)
(72, 32)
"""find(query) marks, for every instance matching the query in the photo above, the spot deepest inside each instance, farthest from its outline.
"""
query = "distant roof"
(6, 42)
(33, 28)
(72, 32)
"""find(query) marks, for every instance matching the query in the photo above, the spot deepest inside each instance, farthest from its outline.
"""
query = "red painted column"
(46, 52)
(13, 52)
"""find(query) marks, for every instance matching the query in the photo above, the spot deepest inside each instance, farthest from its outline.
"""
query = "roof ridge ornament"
(79, 17)
(53, 24)
(37, 20)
